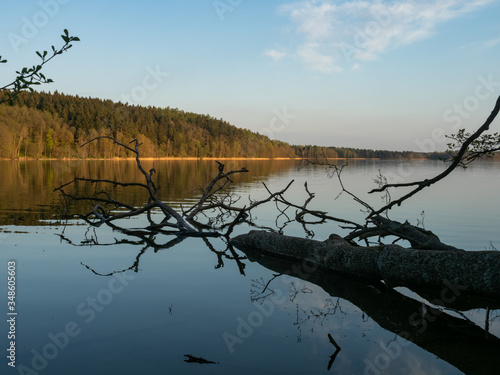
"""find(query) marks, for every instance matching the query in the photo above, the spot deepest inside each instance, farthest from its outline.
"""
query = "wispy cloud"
(484, 44)
(275, 54)
(310, 54)
(491, 43)
(334, 34)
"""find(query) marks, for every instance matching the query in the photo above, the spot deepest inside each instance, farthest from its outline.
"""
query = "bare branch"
(107, 216)
(428, 182)
(209, 193)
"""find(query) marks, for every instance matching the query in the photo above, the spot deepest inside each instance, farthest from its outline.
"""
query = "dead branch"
(428, 182)
(101, 200)
(419, 238)
(210, 193)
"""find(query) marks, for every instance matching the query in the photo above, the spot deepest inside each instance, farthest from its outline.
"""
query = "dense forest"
(45, 125)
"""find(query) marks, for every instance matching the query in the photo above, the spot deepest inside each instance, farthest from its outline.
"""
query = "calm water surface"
(247, 313)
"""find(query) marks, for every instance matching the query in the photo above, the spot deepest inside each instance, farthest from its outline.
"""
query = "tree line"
(54, 125)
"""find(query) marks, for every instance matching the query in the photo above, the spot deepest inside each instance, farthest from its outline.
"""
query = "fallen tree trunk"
(475, 272)
(459, 342)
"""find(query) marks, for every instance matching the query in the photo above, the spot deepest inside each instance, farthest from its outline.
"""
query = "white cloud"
(491, 43)
(334, 33)
(311, 55)
(485, 44)
(275, 54)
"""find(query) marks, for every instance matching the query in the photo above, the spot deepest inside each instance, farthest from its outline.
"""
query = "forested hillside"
(54, 125)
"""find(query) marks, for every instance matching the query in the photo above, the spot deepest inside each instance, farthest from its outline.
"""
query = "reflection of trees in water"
(27, 189)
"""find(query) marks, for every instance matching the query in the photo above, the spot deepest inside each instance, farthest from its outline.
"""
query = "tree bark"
(475, 272)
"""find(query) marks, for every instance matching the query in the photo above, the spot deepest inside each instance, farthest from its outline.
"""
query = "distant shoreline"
(190, 158)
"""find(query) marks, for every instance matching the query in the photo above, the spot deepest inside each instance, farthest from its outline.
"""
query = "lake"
(87, 305)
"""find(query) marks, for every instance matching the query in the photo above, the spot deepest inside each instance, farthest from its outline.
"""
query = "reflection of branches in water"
(299, 321)
(433, 307)
(294, 291)
(316, 317)
(221, 255)
(495, 317)
(334, 355)
(150, 240)
(328, 309)
(261, 287)
(134, 267)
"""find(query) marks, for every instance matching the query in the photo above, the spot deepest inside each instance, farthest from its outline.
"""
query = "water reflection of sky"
(179, 303)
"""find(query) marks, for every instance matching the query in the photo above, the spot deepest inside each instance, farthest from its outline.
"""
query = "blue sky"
(372, 74)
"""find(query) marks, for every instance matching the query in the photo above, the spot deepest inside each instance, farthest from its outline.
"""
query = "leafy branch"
(28, 77)
(486, 145)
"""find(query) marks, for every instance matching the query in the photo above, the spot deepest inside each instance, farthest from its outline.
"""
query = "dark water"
(247, 313)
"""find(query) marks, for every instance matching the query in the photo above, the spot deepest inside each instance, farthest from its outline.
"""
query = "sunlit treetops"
(42, 124)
